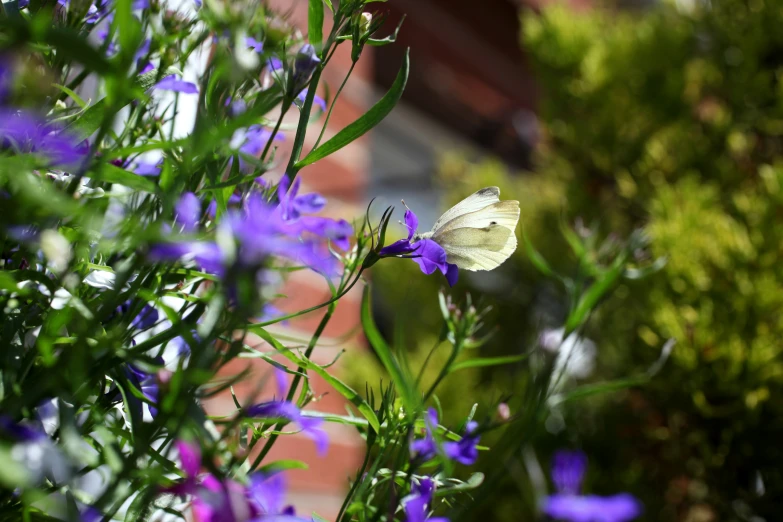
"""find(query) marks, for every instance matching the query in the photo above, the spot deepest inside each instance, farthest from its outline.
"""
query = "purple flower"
(90, 514)
(417, 505)
(227, 500)
(111, 47)
(147, 384)
(317, 100)
(146, 318)
(143, 168)
(338, 231)
(27, 132)
(464, 451)
(268, 494)
(141, 54)
(428, 254)
(256, 138)
(274, 64)
(426, 448)
(256, 45)
(188, 211)
(259, 233)
(171, 83)
(292, 205)
(236, 107)
(20, 432)
(568, 469)
(310, 426)
(205, 254)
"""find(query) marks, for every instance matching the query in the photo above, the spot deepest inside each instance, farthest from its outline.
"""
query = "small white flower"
(100, 279)
(61, 299)
(575, 355)
(246, 57)
(57, 250)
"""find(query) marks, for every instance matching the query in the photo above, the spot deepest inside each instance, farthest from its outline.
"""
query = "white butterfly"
(478, 232)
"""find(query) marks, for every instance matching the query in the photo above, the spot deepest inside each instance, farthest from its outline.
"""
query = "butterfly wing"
(476, 201)
(482, 239)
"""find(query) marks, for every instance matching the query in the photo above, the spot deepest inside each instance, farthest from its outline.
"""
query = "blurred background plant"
(667, 118)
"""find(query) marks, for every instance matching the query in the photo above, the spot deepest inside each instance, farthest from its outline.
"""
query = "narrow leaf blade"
(362, 125)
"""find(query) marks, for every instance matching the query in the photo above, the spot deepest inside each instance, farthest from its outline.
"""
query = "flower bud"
(364, 22)
(305, 64)
(503, 412)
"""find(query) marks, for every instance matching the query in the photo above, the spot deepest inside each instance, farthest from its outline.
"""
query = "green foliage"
(671, 121)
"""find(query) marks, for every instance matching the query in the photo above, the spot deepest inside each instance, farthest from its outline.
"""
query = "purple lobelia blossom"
(311, 427)
(147, 384)
(256, 45)
(143, 168)
(188, 211)
(464, 451)
(428, 254)
(568, 469)
(259, 232)
(254, 141)
(27, 132)
(317, 100)
(418, 504)
(426, 448)
(292, 205)
(34, 450)
(172, 83)
(146, 319)
(227, 500)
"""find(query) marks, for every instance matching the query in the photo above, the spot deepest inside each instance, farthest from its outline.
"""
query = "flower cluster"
(226, 500)
(261, 230)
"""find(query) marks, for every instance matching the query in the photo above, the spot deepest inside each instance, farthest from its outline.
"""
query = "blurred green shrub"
(670, 119)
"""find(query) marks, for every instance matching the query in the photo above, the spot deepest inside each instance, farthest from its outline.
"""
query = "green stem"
(331, 107)
(312, 308)
(301, 129)
(355, 485)
(445, 370)
(283, 111)
(295, 385)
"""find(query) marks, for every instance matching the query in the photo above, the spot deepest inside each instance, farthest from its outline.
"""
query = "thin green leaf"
(481, 362)
(110, 174)
(91, 120)
(599, 388)
(537, 259)
(281, 465)
(366, 122)
(75, 97)
(641, 273)
(378, 42)
(590, 298)
(344, 390)
(315, 23)
(404, 388)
